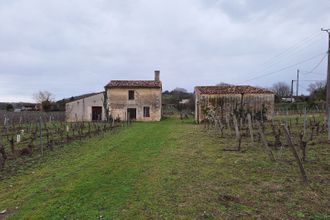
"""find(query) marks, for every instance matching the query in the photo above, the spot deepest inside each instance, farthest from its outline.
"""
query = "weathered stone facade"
(86, 109)
(144, 97)
(227, 98)
(138, 100)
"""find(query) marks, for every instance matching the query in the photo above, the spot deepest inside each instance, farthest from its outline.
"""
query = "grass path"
(163, 170)
(92, 179)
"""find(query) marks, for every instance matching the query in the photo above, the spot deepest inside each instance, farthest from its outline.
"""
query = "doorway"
(131, 113)
(96, 113)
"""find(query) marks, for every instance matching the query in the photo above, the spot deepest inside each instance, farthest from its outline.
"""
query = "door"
(131, 113)
(96, 113)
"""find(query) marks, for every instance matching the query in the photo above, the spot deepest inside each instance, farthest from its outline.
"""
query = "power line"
(294, 46)
(287, 53)
(284, 68)
(310, 80)
(313, 73)
(328, 84)
(318, 64)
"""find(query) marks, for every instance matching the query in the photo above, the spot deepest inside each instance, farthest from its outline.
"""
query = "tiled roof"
(75, 98)
(134, 84)
(231, 89)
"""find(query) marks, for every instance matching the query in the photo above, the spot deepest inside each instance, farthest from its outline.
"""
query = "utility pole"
(328, 84)
(297, 89)
(292, 90)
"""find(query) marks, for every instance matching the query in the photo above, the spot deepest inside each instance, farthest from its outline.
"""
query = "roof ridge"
(126, 80)
(233, 89)
(134, 84)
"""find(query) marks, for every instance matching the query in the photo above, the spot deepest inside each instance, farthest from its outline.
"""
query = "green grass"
(166, 170)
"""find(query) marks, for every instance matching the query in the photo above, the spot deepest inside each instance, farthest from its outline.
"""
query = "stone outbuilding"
(139, 100)
(88, 107)
(227, 98)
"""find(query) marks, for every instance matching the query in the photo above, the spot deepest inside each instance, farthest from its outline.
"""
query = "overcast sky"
(71, 47)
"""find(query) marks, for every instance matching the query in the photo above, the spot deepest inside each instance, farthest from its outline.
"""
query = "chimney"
(157, 75)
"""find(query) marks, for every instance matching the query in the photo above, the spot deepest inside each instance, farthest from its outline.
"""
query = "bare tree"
(316, 86)
(281, 89)
(317, 90)
(44, 99)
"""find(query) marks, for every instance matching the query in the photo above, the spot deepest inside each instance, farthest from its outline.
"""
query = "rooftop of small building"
(76, 98)
(134, 84)
(232, 89)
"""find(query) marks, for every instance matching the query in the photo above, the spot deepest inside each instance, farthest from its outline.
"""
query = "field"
(168, 170)
(33, 133)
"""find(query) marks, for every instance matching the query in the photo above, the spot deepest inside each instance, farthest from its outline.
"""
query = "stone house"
(139, 100)
(227, 98)
(88, 107)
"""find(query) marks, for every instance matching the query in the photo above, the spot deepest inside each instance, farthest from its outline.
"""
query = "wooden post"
(295, 154)
(41, 145)
(329, 127)
(5, 123)
(286, 118)
(12, 146)
(3, 157)
(220, 125)
(250, 127)
(238, 136)
(305, 120)
(312, 133)
(303, 146)
(264, 141)
(67, 133)
(227, 122)
(89, 130)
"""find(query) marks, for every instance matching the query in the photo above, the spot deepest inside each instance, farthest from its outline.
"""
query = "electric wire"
(294, 46)
(306, 42)
(284, 68)
(318, 64)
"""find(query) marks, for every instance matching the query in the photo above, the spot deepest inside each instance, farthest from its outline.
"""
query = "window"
(146, 112)
(130, 94)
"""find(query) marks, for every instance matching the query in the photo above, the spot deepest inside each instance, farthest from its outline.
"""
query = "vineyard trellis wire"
(298, 109)
(30, 117)
(279, 133)
(23, 134)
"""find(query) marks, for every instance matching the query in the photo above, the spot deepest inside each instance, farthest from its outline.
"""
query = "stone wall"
(81, 110)
(149, 97)
(226, 103)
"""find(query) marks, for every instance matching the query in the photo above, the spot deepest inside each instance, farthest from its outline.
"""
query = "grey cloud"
(72, 47)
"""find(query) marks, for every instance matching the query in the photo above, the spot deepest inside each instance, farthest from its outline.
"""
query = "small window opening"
(146, 112)
(130, 94)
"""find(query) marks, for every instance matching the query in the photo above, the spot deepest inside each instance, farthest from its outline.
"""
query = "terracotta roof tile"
(232, 89)
(134, 84)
